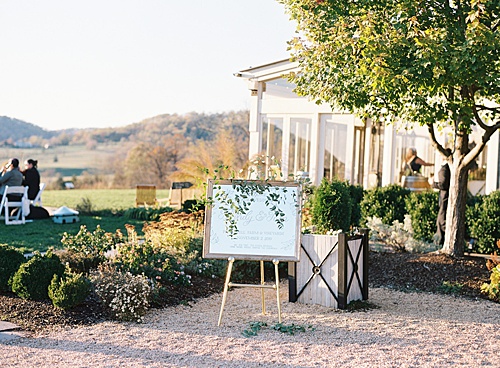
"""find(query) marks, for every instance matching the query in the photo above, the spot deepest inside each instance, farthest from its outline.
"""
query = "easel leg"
(262, 282)
(275, 262)
(226, 286)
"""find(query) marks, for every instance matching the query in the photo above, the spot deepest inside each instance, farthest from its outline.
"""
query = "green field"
(42, 234)
(101, 199)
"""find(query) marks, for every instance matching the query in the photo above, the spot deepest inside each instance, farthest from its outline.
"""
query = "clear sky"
(103, 63)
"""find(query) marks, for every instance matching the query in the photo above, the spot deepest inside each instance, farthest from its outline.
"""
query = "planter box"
(333, 270)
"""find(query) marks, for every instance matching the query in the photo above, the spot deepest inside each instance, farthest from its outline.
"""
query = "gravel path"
(407, 330)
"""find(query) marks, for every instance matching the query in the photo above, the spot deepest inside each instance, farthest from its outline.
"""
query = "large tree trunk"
(455, 216)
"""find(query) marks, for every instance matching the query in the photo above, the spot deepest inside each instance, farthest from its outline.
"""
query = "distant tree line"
(162, 149)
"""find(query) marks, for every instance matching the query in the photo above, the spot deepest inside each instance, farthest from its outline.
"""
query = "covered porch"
(313, 140)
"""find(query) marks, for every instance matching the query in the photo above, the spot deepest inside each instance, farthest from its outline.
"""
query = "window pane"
(335, 150)
(272, 136)
(299, 151)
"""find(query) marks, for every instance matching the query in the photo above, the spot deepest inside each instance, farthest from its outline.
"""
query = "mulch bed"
(432, 272)
(437, 273)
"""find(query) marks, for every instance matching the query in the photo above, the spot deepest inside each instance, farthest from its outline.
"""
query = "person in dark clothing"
(31, 178)
(443, 184)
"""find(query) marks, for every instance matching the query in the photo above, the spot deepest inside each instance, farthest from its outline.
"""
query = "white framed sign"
(268, 229)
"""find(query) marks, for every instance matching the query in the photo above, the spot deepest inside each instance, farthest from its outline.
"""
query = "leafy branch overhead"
(433, 63)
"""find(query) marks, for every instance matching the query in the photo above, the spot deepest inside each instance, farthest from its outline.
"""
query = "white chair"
(19, 217)
(38, 199)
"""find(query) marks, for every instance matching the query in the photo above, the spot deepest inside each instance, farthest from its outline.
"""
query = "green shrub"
(124, 295)
(146, 213)
(356, 192)
(161, 262)
(192, 205)
(79, 262)
(249, 271)
(197, 265)
(85, 206)
(423, 209)
(95, 243)
(493, 288)
(10, 260)
(170, 253)
(69, 290)
(331, 206)
(386, 203)
(482, 219)
(32, 279)
(473, 206)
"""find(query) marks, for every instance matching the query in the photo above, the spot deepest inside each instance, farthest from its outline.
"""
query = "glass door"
(299, 150)
(335, 153)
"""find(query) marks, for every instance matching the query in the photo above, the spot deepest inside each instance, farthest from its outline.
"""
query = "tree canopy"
(423, 61)
(430, 62)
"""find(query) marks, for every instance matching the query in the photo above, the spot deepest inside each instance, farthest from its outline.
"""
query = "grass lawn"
(101, 199)
(42, 234)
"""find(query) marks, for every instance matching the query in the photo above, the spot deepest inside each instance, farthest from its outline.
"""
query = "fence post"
(292, 282)
(366, 252)
(342, 269)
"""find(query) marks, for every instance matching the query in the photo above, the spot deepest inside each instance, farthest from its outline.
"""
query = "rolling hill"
(14, 130)
(103, 152)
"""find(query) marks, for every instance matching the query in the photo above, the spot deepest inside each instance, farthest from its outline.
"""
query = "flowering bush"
(175, 231)
(493, 288)
(151, 259)
(125, 295)
(398, 236)
(95, 243)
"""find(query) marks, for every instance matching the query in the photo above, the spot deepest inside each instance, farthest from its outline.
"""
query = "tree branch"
(479, 121)
(435, 143)
(474, 153)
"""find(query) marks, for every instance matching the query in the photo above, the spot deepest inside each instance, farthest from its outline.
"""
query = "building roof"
(268, 71)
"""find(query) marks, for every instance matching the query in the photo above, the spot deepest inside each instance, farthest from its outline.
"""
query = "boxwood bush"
(331, 206)
(32, 279)
(386, 203)
(423, 209)
(482, 220)
(10, 260)
(356, 192)
(69, 290)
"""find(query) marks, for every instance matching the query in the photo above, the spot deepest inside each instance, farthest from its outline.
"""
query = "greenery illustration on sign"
(237, 203)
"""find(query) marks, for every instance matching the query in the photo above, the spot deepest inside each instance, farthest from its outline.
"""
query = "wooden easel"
(262, 286)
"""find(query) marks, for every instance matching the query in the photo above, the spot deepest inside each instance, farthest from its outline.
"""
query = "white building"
(321, 142)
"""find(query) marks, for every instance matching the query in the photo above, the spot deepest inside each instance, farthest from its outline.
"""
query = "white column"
(368, 153)
(351, 144)
(255, 122)
(285, 147)
(492, 163)
(317, 150)
(388, 161)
